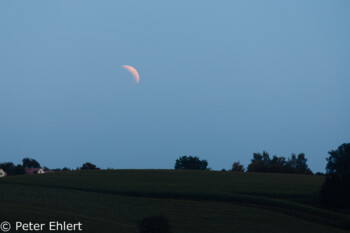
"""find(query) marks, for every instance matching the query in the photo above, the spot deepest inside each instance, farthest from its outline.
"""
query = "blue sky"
(218, 79)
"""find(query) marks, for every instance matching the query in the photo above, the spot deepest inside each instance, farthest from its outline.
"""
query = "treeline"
(19, 169)
(279, 164)
(261, 162)
(335, 191)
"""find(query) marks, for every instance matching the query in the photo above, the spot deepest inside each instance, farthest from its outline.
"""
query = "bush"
(154, 224)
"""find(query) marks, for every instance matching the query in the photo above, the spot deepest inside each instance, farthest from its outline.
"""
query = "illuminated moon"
(134, 73)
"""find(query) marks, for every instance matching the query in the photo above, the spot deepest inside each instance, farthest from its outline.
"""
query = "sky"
(218, 79)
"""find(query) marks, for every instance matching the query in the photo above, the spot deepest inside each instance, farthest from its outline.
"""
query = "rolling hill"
(193, 201)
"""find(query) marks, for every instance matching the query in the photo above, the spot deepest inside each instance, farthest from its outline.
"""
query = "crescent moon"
(134, 73)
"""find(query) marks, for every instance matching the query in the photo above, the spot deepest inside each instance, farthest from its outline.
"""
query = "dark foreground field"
(193, 201)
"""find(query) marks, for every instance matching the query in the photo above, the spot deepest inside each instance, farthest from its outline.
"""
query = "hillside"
(193, 201)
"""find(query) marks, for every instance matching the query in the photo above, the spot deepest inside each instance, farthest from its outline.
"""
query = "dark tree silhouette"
(298, 164)
(279, 164)
(190, 162)
(88, 166)
(335, 191)
(11, 169)
(8, 167)
(302, 166)
(260, 162)
(339, 160)
(30, 163)
(237, 167)
(154, 224)
(19, 170)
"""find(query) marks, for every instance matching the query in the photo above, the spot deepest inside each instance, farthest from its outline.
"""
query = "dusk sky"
(218, 79)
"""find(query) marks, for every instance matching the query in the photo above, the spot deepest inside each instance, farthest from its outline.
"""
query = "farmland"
(193, 201)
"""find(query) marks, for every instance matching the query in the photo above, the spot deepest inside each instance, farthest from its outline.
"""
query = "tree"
(260, 162)
(291, 164)
(19, 170)
(279, 164)
(154, 224)
(8, 167)
(89, 166)
(11, 169)
(335, 191)
(237, 167)
(190, 162)
(30, 163)
(298, 164)
(339, 160)
(56, 169)
(302, 167)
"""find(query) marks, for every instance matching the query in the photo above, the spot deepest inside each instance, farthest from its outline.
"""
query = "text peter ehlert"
(51, 226)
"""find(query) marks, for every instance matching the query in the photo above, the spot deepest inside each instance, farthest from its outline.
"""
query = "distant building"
(31, 171)
(2, 173)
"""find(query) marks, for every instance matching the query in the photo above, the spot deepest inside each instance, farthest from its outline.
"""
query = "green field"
(193, 201)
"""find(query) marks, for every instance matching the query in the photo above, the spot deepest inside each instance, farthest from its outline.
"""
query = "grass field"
(193, 201)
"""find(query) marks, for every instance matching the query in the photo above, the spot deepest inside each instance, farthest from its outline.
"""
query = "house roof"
(32, 170)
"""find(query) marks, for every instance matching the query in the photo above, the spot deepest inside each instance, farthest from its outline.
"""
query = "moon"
(134, 72)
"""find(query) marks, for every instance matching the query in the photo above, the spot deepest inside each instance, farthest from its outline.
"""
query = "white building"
(2, 173)
(31, 171)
